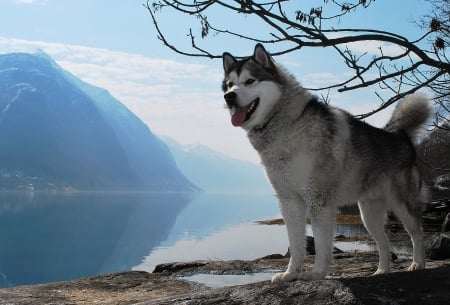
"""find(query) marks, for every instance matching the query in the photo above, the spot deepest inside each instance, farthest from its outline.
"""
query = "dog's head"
(250, 88)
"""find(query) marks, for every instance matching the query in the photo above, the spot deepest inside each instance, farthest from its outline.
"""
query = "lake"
(55, 237)
(47, 237)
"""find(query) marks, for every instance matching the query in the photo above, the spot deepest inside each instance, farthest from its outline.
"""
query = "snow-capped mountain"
(57, 132)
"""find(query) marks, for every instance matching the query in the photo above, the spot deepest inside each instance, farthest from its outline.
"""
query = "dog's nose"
(230, 99)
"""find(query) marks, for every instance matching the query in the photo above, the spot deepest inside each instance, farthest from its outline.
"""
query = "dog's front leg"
(294, 215)
(322, 221)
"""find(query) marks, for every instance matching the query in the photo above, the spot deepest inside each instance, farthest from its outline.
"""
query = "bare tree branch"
(423, 63)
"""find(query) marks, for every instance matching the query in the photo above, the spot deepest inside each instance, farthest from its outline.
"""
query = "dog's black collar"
(260, 128)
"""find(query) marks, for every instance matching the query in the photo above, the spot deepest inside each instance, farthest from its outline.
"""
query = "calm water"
(51, 237)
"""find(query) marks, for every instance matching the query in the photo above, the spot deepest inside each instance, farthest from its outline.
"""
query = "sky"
(113, 44)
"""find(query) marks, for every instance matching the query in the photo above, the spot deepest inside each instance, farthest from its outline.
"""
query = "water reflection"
(223, 280)
(56, 237)
(221, 226)
(350, 229)
(52, 237)
(243, 242)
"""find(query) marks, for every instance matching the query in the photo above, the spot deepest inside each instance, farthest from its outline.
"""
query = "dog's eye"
(249, 81)
(230, 84)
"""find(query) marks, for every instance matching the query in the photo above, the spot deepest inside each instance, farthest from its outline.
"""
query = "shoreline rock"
(349, 283)
(440, 247)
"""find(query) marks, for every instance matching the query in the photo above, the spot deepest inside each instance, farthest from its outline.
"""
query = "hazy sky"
(112, 44)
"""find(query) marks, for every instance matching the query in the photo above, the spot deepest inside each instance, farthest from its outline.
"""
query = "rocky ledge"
(349, 282)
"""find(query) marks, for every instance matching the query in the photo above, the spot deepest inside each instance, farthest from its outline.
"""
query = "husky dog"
(318, 158)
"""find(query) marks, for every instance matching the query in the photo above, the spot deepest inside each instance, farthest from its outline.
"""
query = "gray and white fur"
(318, 158)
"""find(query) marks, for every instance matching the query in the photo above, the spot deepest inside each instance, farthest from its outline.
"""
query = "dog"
(318, 158)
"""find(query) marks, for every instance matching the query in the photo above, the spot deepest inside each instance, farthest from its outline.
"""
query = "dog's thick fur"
(318, 158)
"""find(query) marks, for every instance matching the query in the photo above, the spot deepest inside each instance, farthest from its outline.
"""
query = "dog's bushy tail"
(410, 115)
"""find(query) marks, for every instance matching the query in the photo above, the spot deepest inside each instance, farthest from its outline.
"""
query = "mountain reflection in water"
(48, 237)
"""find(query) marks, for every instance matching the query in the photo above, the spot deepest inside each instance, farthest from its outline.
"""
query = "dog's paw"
(284, 277)
(416, 266)
(310, 276)
(380, 271)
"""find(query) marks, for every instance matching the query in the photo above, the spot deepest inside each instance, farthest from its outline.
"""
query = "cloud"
(324, 79)
(181, 100)
(31, 1)
(371, 47)
(376, 48)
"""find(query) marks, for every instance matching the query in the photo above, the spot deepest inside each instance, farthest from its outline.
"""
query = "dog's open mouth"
(243, 114)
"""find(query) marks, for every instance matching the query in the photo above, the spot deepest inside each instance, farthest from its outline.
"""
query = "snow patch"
(20, 87)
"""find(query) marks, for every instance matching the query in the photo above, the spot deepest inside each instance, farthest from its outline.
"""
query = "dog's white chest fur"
(288, 172)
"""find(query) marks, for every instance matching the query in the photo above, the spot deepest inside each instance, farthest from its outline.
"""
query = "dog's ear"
(228, 61)
(262, 57)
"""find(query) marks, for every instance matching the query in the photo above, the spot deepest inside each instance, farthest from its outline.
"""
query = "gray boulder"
(440, 247)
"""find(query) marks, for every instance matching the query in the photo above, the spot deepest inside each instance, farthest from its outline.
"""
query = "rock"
(326, 292)
(350, 283)
(310, 247)
(446, 224)
(393, 256)
(118, 288)
(173, 267)
(274, 256)
(337, 250)
(440, 247)
(395, 288)
(436, 216)
(395, 227)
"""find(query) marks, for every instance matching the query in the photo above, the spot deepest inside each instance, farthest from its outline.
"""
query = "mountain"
(58, 132)
(214, 172)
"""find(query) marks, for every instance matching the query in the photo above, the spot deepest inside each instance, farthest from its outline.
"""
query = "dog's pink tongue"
(238, 117)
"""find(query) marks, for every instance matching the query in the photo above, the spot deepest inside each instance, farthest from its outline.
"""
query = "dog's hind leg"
(412, 225)
(373, 215)
(294, 215)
